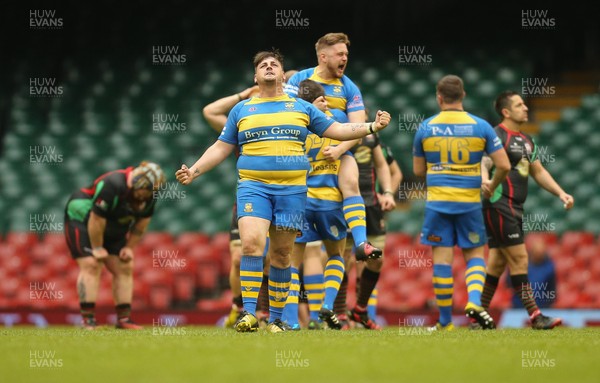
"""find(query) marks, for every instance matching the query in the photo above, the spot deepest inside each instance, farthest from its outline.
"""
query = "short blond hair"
(331, 39)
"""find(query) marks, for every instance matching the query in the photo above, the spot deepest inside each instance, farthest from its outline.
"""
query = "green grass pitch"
(209, 354)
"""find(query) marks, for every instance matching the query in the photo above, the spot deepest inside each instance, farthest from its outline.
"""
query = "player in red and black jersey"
(503, 212)
(103, 223)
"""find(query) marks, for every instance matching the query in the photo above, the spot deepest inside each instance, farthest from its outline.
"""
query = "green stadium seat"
(419, 88)
(506, 76)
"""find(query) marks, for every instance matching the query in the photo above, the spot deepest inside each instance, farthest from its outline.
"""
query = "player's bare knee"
(349, 187)
(252, 248)
(280, 257)
(90, 266)
(125, 268)
(495, 269)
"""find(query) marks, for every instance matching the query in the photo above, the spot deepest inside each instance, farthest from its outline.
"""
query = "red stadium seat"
(184, 285)
(57, 240)
(40, 253)
(207, 275)
(595, 270)
(7, 250)
(587, 254)
(15, 266)
(401, 238)
(157, 276)
(220, 243)
(22, 240)
(10, 287)
(160, 297)
(571, 240)
(548, 237)
(213, 305)
(185, 241)
(105, 297)
(205, 252)
(154, 238)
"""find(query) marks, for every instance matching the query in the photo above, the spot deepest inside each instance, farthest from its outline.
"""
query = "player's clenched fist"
(382, 119)
(184, 175)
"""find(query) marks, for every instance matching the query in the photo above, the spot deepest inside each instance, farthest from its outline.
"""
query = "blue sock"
(313, 284)
(355, 216)
(334, 273)
(251, 274)
(443, 286)
(475, 279)
(279, 286)
(290, 311)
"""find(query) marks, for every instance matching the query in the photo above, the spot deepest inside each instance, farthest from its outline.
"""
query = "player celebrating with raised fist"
(270, 130)
(345, 102)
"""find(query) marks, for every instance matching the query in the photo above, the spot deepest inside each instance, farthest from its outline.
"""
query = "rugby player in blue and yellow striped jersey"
(447, 149)
(345, 102)
(270, 130)
(324, 221)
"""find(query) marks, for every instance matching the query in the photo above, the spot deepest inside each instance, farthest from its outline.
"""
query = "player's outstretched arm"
(350, 131)
(332, 153)
(211, 158)
(543, 178)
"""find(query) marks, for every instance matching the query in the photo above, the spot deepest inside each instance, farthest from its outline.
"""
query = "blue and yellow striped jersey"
(323, 189)
(453, 143)
(270, 133)
(342, 95)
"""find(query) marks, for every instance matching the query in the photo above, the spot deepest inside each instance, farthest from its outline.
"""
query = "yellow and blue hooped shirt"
(453, 143)
(271, 133)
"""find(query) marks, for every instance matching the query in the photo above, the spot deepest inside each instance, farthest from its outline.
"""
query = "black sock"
(123, 311)
(339, 305)
(489, 289)
(522, 288)
(368, 281)
(88, 310)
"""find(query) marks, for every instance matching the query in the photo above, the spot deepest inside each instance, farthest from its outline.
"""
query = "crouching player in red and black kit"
(103, 223)
(503, 212)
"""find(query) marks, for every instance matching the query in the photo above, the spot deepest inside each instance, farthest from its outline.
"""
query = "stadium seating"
(200, 282)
